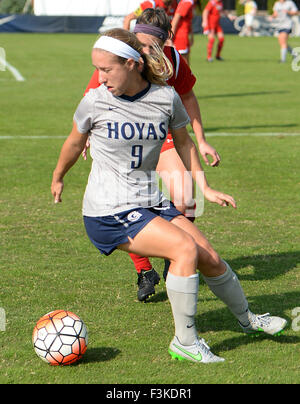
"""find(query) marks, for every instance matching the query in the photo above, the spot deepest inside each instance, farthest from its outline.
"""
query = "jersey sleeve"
(143, 6)
(83, 116)
(94, 82)
(183, 79)
(293, 7)
(179, 117)
(208, 7)
(184, 8)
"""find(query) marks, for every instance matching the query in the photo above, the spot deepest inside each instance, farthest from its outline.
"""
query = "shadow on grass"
(238, 95)
(265, 267)
(269, 266)
(246, 127)
(102, 354)
(223, 320)
(230, 344)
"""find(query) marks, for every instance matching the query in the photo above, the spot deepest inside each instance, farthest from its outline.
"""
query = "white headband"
(117, 47)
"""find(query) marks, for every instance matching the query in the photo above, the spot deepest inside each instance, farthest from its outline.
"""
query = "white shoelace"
(261, 318)
(203, 345)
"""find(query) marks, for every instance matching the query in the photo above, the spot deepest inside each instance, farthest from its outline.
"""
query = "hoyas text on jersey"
(141, 131)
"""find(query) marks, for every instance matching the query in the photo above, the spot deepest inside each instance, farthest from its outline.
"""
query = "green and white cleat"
(264, 323)
(199, 352)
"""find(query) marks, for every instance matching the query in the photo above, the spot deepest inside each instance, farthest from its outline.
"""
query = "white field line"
(31, 137)
(220, 134)
(209, 134)
(17, 75)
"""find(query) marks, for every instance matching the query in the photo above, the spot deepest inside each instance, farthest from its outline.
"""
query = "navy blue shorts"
(108, 232)
(288, 31)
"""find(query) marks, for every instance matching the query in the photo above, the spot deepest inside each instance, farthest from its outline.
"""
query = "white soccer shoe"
(199, 352)
(264, 323)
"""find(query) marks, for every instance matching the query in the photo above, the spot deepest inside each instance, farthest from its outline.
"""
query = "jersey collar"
(136, 96)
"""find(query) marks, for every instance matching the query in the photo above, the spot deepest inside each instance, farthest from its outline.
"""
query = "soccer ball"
(60, 338)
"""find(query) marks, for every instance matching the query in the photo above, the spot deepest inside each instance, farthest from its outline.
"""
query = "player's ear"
(130, 64)
(141, 65)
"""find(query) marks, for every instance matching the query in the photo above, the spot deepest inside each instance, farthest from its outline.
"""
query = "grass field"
(47, 261)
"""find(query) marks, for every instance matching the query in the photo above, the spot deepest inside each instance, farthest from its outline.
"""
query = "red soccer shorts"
(182, 43)
(168, 144)
(214, 26)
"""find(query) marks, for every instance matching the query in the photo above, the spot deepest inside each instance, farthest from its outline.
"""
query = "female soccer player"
(182, 28)
(127, 120)
(283, 11)
(169, 6)
(250, 9)
(153, 26)
(211, 27)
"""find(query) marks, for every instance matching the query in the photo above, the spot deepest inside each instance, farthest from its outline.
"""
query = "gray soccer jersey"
(284, 21)
(126, 136)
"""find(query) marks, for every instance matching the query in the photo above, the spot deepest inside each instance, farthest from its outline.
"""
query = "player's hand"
(169, 42)
(205, 30)
(219, 197)
(84, 152)
(207, 150)
(56, 190)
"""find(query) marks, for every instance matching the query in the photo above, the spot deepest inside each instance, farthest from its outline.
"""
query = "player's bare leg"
(163, 239)
(179, 185)
(224, 283)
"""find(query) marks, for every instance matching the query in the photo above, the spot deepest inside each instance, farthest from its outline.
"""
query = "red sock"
(140, 263)
(190, 213)
(210, 46)
(220, 46)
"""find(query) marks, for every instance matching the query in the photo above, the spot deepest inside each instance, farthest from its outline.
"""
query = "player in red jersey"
(154, 26)
(211, 26)
(169, 6)
(182, 27)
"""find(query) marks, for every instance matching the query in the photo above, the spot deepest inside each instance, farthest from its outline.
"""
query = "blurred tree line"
(15, 6)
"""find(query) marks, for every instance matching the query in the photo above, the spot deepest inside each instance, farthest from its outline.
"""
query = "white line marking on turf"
(220, 134)
(17, 75)
(209, 134)
(33, 137)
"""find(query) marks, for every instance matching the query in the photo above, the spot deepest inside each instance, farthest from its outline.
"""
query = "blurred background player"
(154, 26)
(182, 27)
(211, 27)
(250, 9)
(283, 11)
(169, 6)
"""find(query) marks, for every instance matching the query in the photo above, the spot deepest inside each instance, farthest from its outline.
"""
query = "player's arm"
(292, 12)
(175, 22)
(187, 151)
(127, 20)
(94, 82)
(183, 84)
(274, 15)
(191, 105)
(205, 16)
(69, 154)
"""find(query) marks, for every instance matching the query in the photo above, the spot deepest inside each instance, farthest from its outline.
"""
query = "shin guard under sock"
(183, 296)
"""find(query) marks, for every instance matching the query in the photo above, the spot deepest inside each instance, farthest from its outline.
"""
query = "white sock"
(283, 53)
(183, 296)
(228, 288)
